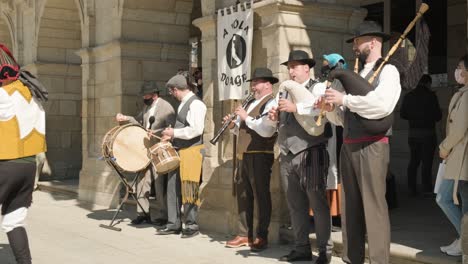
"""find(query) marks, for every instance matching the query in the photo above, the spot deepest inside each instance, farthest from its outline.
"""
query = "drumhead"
(167, 165)
(130, 148)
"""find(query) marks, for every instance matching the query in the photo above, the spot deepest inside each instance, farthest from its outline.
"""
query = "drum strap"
(190, 172)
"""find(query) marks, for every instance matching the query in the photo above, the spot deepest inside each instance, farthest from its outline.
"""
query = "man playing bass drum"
(163, 116)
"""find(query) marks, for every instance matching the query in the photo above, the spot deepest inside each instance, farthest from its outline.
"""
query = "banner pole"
(234, 157)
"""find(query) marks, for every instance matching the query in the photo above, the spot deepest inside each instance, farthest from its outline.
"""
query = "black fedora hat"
(369, 28)
(149, 87)
(264, 74)
(301, 56)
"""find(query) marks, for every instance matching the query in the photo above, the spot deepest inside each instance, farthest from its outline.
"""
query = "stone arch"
(58, 66)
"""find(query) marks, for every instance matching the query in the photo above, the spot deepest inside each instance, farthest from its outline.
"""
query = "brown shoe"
(239, 241)
(259, 244)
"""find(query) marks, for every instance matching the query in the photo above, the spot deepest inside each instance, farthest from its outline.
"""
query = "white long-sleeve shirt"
(263, 126)
(195, 117)
(382, 100)
(307, 108)
(376, 104)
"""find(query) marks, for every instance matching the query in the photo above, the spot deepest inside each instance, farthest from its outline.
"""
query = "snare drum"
(126, 147)
(164, 157)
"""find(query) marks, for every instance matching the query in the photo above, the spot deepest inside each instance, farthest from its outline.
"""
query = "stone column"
(102, 97)
(280, 26)
(128, 42)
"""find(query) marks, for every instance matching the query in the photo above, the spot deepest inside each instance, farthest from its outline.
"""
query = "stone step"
(69, 187)
(399, 254)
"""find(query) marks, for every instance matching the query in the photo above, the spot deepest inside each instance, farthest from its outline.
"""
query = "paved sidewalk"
(63, 230)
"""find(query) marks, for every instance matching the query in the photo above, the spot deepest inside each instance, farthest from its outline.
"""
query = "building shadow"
(420, 224)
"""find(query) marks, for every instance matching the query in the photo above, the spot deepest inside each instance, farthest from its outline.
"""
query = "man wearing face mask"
(330, 62)
(364, 157)
(164, 116)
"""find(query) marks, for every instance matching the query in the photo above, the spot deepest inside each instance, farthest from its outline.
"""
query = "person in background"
(198, 77)
(454, 150)
(421, 108)
(330, 62)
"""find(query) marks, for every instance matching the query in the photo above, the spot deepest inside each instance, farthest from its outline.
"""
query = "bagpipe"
(354, 84)
(299, 94)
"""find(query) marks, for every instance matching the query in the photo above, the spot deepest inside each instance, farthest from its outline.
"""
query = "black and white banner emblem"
(235, 27)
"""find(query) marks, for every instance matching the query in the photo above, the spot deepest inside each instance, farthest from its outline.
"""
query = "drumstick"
(154, 135)
(157, 130)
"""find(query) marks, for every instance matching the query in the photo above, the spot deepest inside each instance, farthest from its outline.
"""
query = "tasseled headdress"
(9, 68)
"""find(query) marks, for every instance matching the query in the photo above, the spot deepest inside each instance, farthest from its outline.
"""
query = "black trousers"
(301, 198)
(422, 151)
(16, 185)
(253, 184)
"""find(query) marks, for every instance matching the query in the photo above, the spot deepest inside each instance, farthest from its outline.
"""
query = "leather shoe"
(259, 244)
(187, 233)
(239, 241)
(167, 231)
(297, 256)
(140, 220)
(160, 223)
(323, 258)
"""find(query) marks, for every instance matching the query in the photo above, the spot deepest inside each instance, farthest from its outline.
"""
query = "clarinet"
(215, 139)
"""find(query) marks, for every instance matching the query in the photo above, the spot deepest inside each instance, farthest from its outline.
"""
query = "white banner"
(235, 28)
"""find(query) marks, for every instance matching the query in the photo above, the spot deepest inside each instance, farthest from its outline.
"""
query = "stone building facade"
(93, 55)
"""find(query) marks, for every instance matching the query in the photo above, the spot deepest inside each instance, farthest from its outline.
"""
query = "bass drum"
(126, 147)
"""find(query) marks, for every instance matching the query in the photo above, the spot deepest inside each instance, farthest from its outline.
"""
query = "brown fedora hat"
(369, 28)
(263, 74)
(301, 56)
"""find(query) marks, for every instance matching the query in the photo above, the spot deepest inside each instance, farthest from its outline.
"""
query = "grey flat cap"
(177, 81)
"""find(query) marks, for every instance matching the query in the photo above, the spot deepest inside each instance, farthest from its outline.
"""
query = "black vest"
(291, 136)
(352, 126)
(249, 140)
(181, 122)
